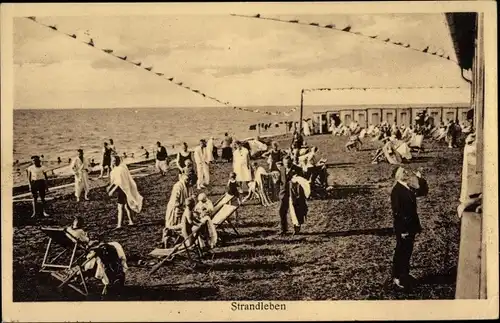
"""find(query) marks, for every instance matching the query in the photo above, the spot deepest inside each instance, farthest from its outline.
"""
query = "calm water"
(59, 133)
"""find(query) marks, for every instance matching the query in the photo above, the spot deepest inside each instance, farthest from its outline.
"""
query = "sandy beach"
(344, 252)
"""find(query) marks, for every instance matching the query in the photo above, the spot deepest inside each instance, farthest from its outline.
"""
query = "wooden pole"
(301, 110)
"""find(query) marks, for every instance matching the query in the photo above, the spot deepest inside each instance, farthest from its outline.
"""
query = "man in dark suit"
(408, 187)
(287, 171)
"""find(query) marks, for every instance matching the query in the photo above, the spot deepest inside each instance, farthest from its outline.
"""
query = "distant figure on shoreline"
(161, 159)
(59, 160)
(146, 153)
(38, 183)
(112, 147)
(227, 151)
(80, 168)
(106, 160)
(69, 160)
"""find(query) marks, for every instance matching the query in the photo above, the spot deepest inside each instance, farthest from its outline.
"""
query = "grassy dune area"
(344, 251)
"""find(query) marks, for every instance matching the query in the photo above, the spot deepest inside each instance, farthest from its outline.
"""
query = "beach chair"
(416, 143)
(222, 217)
(225, 199)
(67, 270)
(186, 246)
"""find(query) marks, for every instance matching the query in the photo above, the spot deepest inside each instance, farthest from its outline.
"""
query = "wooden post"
(301, 110)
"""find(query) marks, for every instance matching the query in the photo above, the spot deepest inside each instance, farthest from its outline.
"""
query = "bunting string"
(436, 52)
(173, 80)
(126, 59)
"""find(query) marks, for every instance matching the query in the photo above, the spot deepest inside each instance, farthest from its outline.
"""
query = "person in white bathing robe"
(209, 150)
(128, 196)
(175, 206)
(241, 163)
(202, 165)
(80, 167)
(305, 128)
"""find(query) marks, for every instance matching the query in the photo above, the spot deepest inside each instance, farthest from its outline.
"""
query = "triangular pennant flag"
(159, 74)
(53, 27)
(373, 36)
(314, 24)
(398, 43)
(180, 84)
(196, 91)
(32, 18)
(148, 68)
(407, 45)
(448, 57)
(426, 49)
(330, 26)
(138, 64)
(123, 58)
(171, 79)
(203, 94)
(257, 15)
(294, 21)
(109, 51)
(91, 42)
(387, 40)
(434, 53)
(348, 28)
(72, 36)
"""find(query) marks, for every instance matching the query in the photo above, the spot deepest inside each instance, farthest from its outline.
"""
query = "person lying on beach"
(38, 183)
(204, 207)
(128, 196)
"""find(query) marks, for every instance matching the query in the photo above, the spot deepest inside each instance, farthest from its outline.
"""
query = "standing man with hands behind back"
(404, 195)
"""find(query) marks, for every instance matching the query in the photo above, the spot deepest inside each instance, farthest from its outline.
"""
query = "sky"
(247, 62)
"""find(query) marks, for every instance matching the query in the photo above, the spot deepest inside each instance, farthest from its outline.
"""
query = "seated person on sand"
(191, 221)
(204, 207)
(353, 143)
(256, 187)
(77, 232)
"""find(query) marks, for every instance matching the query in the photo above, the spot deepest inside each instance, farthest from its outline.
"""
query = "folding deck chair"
(222, 216)
(64, 271)
(183, 247)
(416, 143)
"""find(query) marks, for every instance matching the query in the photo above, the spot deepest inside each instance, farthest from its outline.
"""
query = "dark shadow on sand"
(245, 254)
(348, 233)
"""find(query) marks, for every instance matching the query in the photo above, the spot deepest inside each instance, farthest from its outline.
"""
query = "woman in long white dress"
(80, 168)
(241, 163)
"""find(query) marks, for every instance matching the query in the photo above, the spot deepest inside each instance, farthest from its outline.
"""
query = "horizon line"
(263, 106)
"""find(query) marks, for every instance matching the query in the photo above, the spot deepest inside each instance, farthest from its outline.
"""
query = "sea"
(57, 133)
